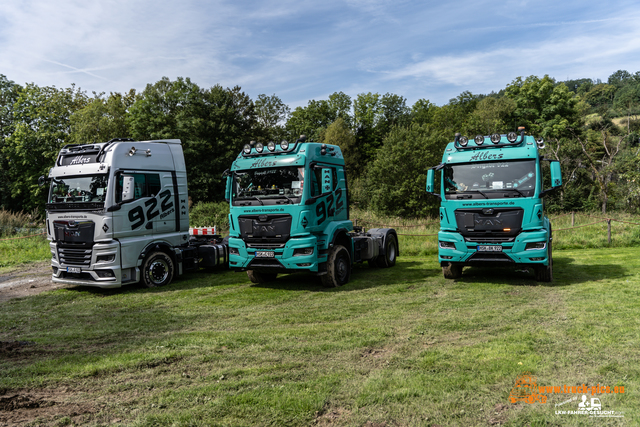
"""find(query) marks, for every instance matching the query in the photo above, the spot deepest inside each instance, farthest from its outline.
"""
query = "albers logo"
(80, 160)
(483, 155)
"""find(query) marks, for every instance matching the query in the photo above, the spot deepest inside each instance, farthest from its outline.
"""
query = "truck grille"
(265, 228)
(481, 225)
(74, 256)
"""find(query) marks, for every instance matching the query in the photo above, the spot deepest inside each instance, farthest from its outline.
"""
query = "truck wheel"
(338, 267)
(157, 270)
(257, 277)
(391, 252)
(452, 271)
(544, 273)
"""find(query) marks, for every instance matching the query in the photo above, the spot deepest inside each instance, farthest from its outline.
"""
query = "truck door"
(165, 222)
(138, 195)
(330, 204)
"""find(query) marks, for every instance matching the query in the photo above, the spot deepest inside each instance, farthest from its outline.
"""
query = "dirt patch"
(31, 279)
(47, 407)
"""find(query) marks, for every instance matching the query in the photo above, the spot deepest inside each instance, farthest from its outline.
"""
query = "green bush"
(208, 214)
(19, 222)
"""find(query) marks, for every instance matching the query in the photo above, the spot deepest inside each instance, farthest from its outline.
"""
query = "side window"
(316, 178)
(144, 185)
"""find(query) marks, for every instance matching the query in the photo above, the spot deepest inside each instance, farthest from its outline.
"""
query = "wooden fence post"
(572, 218)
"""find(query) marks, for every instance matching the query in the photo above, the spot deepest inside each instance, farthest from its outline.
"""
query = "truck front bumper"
(293, 256)
(529, 248)
(102, 271)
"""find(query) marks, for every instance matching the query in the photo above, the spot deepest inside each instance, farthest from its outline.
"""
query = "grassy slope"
(400, 346)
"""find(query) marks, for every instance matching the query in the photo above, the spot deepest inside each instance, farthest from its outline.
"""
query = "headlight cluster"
(536, 246)
(446, 245)
(303, 252)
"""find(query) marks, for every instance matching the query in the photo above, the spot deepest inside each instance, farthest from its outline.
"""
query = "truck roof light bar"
(462, 142)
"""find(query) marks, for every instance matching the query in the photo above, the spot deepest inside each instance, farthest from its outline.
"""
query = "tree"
(314, 119)
(41, 116)
(212, 124)
(407, 153)
(339, 133)
(102, 119)
(8, 95)
(270, 113)
(492, 115)
(546, 110)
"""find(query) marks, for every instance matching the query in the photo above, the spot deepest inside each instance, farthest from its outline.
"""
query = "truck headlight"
(234, 251)
(303, 252)
(446, 245)
(106, 258)
(536, 246)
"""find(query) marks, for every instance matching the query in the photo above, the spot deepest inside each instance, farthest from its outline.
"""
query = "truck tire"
(258, 277)
(390, 253)
(157, 270)
(452, 271)
(544, 273)
(338, 267)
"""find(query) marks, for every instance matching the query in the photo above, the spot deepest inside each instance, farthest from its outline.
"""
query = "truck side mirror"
(227, 190)
(431, 183)
(327, 180)
(556, 174)
(127, 188)
(41, 181)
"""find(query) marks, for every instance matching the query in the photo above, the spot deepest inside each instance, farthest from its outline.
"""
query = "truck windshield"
(78, 189)
(490, 180)
(268, 186)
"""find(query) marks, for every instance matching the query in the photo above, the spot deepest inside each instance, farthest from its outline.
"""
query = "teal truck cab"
(492, 209)
(289, 212)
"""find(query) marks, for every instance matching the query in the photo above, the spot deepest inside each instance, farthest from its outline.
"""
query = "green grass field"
(394, 347)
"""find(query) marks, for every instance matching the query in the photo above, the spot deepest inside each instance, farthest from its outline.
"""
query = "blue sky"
(303, 50)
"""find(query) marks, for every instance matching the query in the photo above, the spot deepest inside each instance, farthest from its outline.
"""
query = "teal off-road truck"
(289, 212)
(492, 209)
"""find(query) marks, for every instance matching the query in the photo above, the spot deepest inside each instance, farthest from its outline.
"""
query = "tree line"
(590, 126)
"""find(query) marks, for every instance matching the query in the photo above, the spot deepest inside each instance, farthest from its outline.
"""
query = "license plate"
(492, 248)
(74, 270)
(265, 254)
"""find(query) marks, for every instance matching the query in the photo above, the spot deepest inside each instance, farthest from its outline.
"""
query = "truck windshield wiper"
(474, 191)
(515, 189)
(250, 197)
(287, 197)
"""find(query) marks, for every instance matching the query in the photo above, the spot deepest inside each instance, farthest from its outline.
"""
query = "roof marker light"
(495, 138)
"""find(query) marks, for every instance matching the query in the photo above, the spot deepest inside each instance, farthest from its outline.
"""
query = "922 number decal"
(137, 216)
(326, 210)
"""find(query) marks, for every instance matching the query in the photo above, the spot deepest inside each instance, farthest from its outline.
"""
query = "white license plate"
(74, 270)
(492, 248)
(265, 254)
